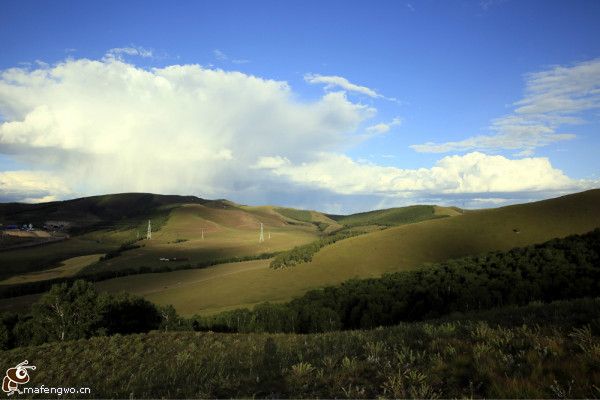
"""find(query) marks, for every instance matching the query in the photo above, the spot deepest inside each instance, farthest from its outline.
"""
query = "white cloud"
(221, 56)
(553, 98)
(119, 52)
(108, 126)
(31, 186)
(383, 127)
(470, 173)
(271, 162)
(333, 81)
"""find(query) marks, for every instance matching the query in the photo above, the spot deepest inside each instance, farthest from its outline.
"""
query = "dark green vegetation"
(304, 253)
(460, 358)
(558, 269)
(78, 311)
(123, 210)
(299, 215)
(388, 217)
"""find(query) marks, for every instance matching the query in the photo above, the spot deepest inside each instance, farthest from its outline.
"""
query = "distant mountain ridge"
(103, 209)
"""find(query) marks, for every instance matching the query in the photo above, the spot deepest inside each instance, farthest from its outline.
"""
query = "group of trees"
(78, 311)
(559, 269)
(304, 253)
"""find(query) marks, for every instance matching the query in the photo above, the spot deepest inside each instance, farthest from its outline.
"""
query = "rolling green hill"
(394, 249)
(233, 230)
(186, 230)
(395, 216)
(96, 212)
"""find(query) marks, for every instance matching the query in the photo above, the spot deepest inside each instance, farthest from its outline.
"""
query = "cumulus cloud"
(553, 98)
(105, 126)
(332, 82)
(470, 173)
(383, 127)
(109, 126)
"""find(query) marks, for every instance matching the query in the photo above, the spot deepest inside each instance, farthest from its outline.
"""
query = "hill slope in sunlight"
(394, 249)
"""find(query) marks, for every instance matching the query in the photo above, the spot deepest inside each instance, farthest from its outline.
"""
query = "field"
(47, 256)
(69, 267)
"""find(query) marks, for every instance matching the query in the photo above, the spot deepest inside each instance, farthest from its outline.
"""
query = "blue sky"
(379, 77)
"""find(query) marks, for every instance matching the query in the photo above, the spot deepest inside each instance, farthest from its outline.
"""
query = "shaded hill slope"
(96, 211)
(395, 216)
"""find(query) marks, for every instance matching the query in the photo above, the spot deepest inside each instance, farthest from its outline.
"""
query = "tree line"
(304, 253)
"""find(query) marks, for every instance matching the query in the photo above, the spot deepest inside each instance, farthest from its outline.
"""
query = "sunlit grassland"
(195, 234)
(390, 250)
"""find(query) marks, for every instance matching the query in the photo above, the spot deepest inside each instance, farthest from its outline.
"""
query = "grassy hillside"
(95, 212)
(196, 233)
(394, 249)
(471, 233)
(69, 267)
(554, 357)
(395, 216)
(186, 228)
(371, 255)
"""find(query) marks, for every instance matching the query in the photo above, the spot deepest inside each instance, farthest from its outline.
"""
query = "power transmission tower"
(262, 235)
(149, 234)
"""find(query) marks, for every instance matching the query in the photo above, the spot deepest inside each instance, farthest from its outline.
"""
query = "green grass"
(299, 215)
(390, 217)
(69, 267)
(400, 248)
(464, 357)
(370, 255)
(227, 233)
(34, 259)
